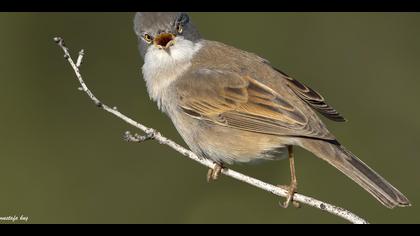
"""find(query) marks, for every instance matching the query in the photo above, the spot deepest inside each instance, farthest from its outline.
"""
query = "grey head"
(160, 29)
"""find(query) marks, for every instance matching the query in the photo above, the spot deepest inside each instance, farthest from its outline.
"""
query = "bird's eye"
(179, 28)
(148, 38)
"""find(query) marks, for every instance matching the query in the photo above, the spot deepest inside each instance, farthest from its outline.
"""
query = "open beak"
(164, 40)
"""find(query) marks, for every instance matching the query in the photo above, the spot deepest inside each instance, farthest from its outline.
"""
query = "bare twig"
(155, 135)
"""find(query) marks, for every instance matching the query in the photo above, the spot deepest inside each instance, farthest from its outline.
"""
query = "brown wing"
(313, 99)
(241, 102)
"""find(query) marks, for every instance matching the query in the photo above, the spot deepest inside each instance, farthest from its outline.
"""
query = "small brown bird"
(234, 106)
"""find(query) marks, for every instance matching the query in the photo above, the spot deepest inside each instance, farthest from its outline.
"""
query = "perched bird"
(232, 106)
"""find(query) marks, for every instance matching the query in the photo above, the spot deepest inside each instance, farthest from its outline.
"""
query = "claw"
(291, 192)
(213, 174)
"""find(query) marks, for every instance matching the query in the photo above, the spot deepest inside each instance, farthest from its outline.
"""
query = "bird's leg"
(292, 188)
(214, 173)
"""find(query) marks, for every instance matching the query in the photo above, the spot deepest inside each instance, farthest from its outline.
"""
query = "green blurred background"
(64, 161)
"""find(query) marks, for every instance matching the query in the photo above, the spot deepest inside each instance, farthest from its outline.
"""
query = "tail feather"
(355, 169)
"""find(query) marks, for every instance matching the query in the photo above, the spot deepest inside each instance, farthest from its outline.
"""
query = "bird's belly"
(227, 145)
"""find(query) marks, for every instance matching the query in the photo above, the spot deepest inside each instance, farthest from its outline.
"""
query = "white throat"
(161, 68)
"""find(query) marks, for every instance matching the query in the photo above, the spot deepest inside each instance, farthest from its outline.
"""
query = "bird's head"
(164, 32)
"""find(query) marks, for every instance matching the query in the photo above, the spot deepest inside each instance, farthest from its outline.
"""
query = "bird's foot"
(214, 173)
(291, 189)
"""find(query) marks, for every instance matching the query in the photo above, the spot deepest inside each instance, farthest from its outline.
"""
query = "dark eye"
(148, 38)
(179, 28)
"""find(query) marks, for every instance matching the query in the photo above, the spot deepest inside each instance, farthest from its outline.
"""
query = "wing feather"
(241, 102)
(312, 98)
(315, 100)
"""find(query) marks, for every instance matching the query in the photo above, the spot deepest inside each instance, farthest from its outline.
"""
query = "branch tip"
(80, 58)
(58, 39)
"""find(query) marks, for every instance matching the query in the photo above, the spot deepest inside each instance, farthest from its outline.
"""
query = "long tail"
(355, 169)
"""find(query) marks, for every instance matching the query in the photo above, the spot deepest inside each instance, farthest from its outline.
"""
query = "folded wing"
(241, 102)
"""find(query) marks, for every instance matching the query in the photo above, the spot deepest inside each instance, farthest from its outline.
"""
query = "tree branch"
(155, 135)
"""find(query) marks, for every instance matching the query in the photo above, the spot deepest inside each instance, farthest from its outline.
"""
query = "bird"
(233, 106)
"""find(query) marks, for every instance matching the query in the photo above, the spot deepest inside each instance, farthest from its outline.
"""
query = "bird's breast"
(161, 68)
(159, 75)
